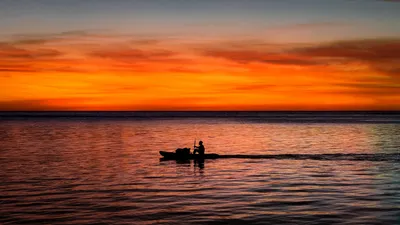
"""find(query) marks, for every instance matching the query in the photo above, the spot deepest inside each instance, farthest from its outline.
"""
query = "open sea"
(105, 168)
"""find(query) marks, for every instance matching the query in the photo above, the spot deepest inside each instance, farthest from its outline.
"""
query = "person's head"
(200, 142)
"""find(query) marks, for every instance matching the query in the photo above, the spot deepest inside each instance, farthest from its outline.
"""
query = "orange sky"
(162, 75)
(294, 68)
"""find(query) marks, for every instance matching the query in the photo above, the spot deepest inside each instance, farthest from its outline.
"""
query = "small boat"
(173, 155)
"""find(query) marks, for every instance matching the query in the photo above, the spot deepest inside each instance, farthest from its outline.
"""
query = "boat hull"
(174, 156)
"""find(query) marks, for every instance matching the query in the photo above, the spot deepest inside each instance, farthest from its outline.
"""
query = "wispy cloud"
(134, 55)
(369, 50)
(382, 55)
(259, 56)
(76, 52)
(312, 25)
(13, 52)
(16, 58)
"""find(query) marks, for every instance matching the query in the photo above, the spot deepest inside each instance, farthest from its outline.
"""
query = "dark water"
(108, 171)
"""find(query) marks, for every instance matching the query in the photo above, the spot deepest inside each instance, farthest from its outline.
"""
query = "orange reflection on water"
(113, 165)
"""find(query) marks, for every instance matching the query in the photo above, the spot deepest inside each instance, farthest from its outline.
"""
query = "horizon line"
(204, 111)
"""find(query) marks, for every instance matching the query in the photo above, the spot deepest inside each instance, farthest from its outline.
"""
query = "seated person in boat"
(200, 149)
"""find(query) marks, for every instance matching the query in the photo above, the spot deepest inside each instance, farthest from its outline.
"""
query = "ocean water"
(99, 170)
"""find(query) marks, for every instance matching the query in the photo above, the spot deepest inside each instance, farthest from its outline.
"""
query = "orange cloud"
(382, 55)
(17, 57)
(135, 55)
(137, 59)
(371, 49)
(249, 56)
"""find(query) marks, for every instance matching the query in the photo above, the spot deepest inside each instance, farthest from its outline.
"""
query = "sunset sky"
(199, 55)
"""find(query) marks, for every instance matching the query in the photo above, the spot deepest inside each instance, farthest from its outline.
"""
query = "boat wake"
(338, 156)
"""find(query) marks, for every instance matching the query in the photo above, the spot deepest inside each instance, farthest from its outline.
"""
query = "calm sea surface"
(108, 171)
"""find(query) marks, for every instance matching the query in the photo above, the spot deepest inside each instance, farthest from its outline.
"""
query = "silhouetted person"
(200, 149)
